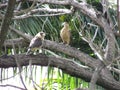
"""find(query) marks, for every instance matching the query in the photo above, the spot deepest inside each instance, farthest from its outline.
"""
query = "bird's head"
(41, 35)
(65, 24)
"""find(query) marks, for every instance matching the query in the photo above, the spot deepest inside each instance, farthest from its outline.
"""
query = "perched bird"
(65, 33)
(36, 43)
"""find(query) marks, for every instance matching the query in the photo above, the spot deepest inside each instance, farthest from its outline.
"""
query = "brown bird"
(36, 43)
(65, 33)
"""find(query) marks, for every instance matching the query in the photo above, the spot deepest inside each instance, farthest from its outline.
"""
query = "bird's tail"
(28, 51)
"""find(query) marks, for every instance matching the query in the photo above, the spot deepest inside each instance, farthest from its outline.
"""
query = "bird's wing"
(35, 42)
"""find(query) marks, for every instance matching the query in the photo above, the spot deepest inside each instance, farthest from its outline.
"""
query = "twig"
(93, 46)
(44, 23)
(44, 15)
(9, 77)
(65, 65)
(26, 10)
(31, 76)
(9, 85)
(114, 70)
(95, 32)
(95, 76)
(54, 54)
(19, 67)
(26, 37)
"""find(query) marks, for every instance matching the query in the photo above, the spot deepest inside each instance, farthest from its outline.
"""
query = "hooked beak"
(63, 23)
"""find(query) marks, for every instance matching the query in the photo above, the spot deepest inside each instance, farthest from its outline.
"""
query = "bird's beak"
(44, 34)
(63, 24)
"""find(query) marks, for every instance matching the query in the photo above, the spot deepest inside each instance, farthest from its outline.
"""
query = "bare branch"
(17, 42)
(93, 63)
(110, 49)
(9, 85)
(25, 36)
(53, 12)
(67, 11)
(28, 9)
(18, 65)
(63, 2)
(65, 49)
(114, 69)
(6, 21)
(68, 66)
(97, 50)
(61, 48)
(43, 15)
(95, 76)
(90, 12)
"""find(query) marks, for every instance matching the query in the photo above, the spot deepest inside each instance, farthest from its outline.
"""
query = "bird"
(36, 42)
(65, 33)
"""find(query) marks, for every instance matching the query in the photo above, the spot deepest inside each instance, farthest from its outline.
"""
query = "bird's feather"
(35, 42)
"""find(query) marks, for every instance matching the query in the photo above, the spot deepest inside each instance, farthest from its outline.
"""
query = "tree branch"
(26, 37)
(95, 76)
(64, 2)
(6, 21)
(34, 11)
(101, 21)
(9, 85)
(68, 66)
(53, 46)
(84, 58)
(110, 50)
(17, 42)
(61, 48)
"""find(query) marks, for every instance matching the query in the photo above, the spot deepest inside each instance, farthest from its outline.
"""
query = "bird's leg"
(43, 51)
(64, 42)
(67, 45)
(37, 51)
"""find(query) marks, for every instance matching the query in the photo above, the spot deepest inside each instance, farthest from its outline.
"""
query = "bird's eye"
(41, 34)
